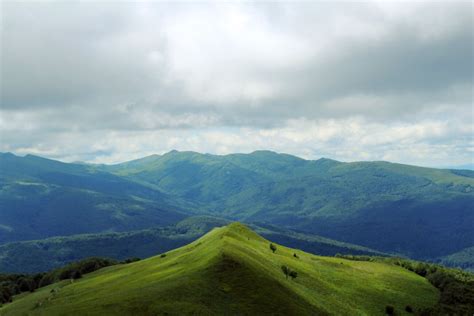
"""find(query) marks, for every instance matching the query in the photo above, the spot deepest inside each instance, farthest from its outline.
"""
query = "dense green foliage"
(13, 284)
(364, 203)
(76, 269)
(231, 270)
(47, 254)
(463, 259)
(456, 286)
(40, 198)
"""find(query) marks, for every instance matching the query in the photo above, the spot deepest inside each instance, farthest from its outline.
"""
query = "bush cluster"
(13, 284)
(288, 272)
(130, 260)
(273, 248)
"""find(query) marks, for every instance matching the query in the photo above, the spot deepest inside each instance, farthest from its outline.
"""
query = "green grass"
(231, 270)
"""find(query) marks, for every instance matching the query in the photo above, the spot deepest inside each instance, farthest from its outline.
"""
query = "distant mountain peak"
(263, 151)
(179, 152)
(7, 154)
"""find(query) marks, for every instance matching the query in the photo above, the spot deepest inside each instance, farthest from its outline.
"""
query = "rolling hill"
(232, 270)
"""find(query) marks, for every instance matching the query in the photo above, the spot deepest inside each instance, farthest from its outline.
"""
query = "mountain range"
(417, 212)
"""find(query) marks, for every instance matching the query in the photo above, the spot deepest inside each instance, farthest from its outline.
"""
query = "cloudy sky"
(350, 81)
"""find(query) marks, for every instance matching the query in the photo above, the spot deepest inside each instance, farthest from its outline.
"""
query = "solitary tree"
(285, 270)
(389, 310)
(76, 275)
(293, 274)
(273, 247)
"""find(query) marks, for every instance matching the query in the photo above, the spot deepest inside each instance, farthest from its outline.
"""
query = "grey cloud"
(86, 54)
(81, 67)
(60, 54)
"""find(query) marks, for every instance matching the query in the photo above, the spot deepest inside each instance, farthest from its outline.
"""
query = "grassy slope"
(232, 270)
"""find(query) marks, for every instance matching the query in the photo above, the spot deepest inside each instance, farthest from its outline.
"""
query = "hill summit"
(234, 271)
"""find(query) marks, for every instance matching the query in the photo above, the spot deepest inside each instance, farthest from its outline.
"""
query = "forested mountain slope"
(419, 212)
(422, 213)
(40, 198)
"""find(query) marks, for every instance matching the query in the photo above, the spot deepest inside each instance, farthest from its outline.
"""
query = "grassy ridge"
(232, 270)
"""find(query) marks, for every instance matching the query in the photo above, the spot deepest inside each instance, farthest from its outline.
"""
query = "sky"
(112, 81)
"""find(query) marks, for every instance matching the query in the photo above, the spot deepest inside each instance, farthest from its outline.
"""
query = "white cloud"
(119, 80)
(423, 143)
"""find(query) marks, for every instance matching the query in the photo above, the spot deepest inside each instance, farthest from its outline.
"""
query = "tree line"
(13, 284)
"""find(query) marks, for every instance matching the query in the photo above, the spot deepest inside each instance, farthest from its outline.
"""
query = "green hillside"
(40, 198)
(364, 203)
(232, 270)
(46, 254)
(421, 213)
